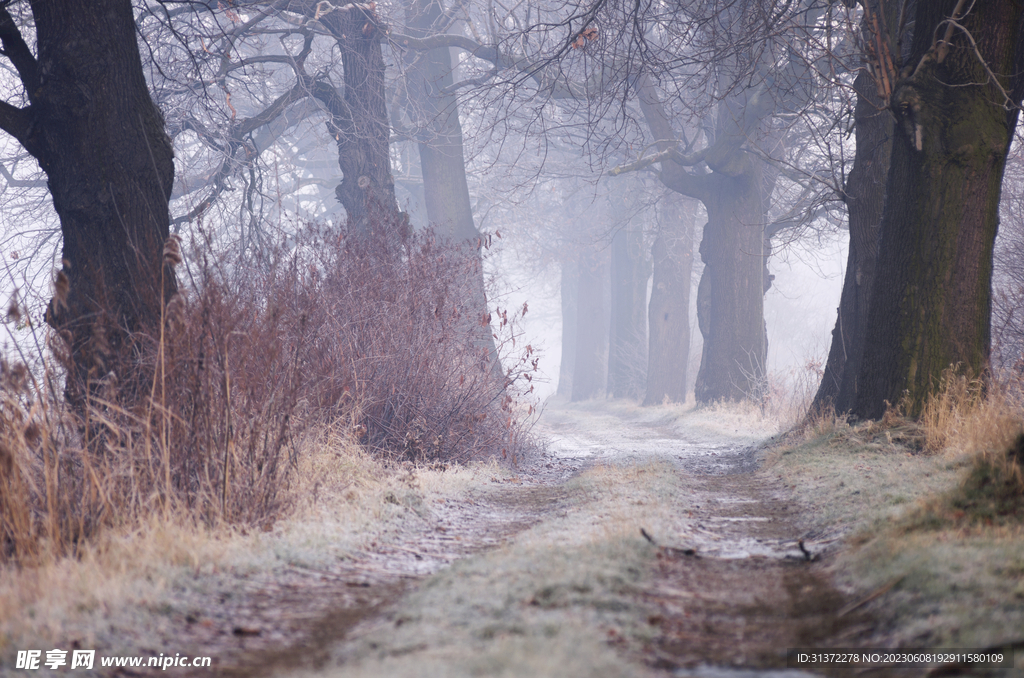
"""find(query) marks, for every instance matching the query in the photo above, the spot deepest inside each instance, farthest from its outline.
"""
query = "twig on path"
(648, 537)
(671, 550)
(847, 609)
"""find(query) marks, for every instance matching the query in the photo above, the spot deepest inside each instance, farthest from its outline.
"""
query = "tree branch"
(534, 69)
(15, 49)
(332, 101)
(20, 183)
(445, 40)
(18, 123)
(271, 112)
(672, 174)
(672, 154)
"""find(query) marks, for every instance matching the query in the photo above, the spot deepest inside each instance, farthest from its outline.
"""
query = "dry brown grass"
(966, 417)
(111, 593)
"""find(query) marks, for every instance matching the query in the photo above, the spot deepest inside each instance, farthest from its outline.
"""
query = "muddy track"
(290, 619)
(724, 595)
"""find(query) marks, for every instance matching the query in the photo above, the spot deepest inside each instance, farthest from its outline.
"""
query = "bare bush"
(401, 353)
(375, 335)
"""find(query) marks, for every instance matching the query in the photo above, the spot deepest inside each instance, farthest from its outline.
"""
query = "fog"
(537, 134)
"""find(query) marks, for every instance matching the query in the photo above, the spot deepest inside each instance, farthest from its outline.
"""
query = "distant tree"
(669, 312)
(732, 95)
(629, 272)
(359, 116)
(245, 76)
(431, 104)
(734, 249)
(86, 114)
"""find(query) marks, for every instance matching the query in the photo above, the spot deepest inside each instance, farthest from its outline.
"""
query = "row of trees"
(936, 105)
(739, 106)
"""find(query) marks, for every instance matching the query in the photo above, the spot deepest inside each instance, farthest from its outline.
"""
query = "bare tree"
(669, 315)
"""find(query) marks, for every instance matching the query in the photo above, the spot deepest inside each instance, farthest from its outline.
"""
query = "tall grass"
(382, 337)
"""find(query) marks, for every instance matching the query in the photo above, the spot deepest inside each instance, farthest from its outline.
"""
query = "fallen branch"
(871, 596)
(670, 550)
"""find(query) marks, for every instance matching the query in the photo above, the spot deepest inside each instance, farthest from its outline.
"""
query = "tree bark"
(97, 134)
(865, 198)
(931, 301)
(359, 121)
(627, 341)
(669, 340)
(588, 378)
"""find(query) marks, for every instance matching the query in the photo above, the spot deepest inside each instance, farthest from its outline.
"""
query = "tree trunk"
(588, 379)
(359, 121)
(627, 340)
(569, 291)
(97, 134)
(442, 158)
(865, 198)
(730, 296)
(669, 347)
(931, 301)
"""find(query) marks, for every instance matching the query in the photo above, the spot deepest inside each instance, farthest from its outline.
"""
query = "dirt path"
(548, 573)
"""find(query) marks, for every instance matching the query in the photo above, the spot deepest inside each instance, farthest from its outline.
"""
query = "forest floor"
(657, 541)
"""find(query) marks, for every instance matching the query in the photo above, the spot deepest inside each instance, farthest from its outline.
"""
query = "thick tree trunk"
(359, 121)
(99, 137)
(627, 340)
(588, 379)
(669, 348)
(865, 198)
(730, 296)
(442, 158)
(569, 292)
(931, 300)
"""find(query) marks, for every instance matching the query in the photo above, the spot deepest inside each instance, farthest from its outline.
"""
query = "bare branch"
(20, 183)
(15, 49)
(671, 154)
(17, 122)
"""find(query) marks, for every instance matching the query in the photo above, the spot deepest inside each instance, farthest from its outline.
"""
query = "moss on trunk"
(931, 300)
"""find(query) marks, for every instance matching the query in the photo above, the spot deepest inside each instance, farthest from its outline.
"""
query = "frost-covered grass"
(115, 596)
(917, 502)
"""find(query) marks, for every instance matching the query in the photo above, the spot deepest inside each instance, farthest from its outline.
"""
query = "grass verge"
(932, 509)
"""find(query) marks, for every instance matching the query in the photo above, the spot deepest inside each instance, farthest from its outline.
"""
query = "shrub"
(388, 336)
